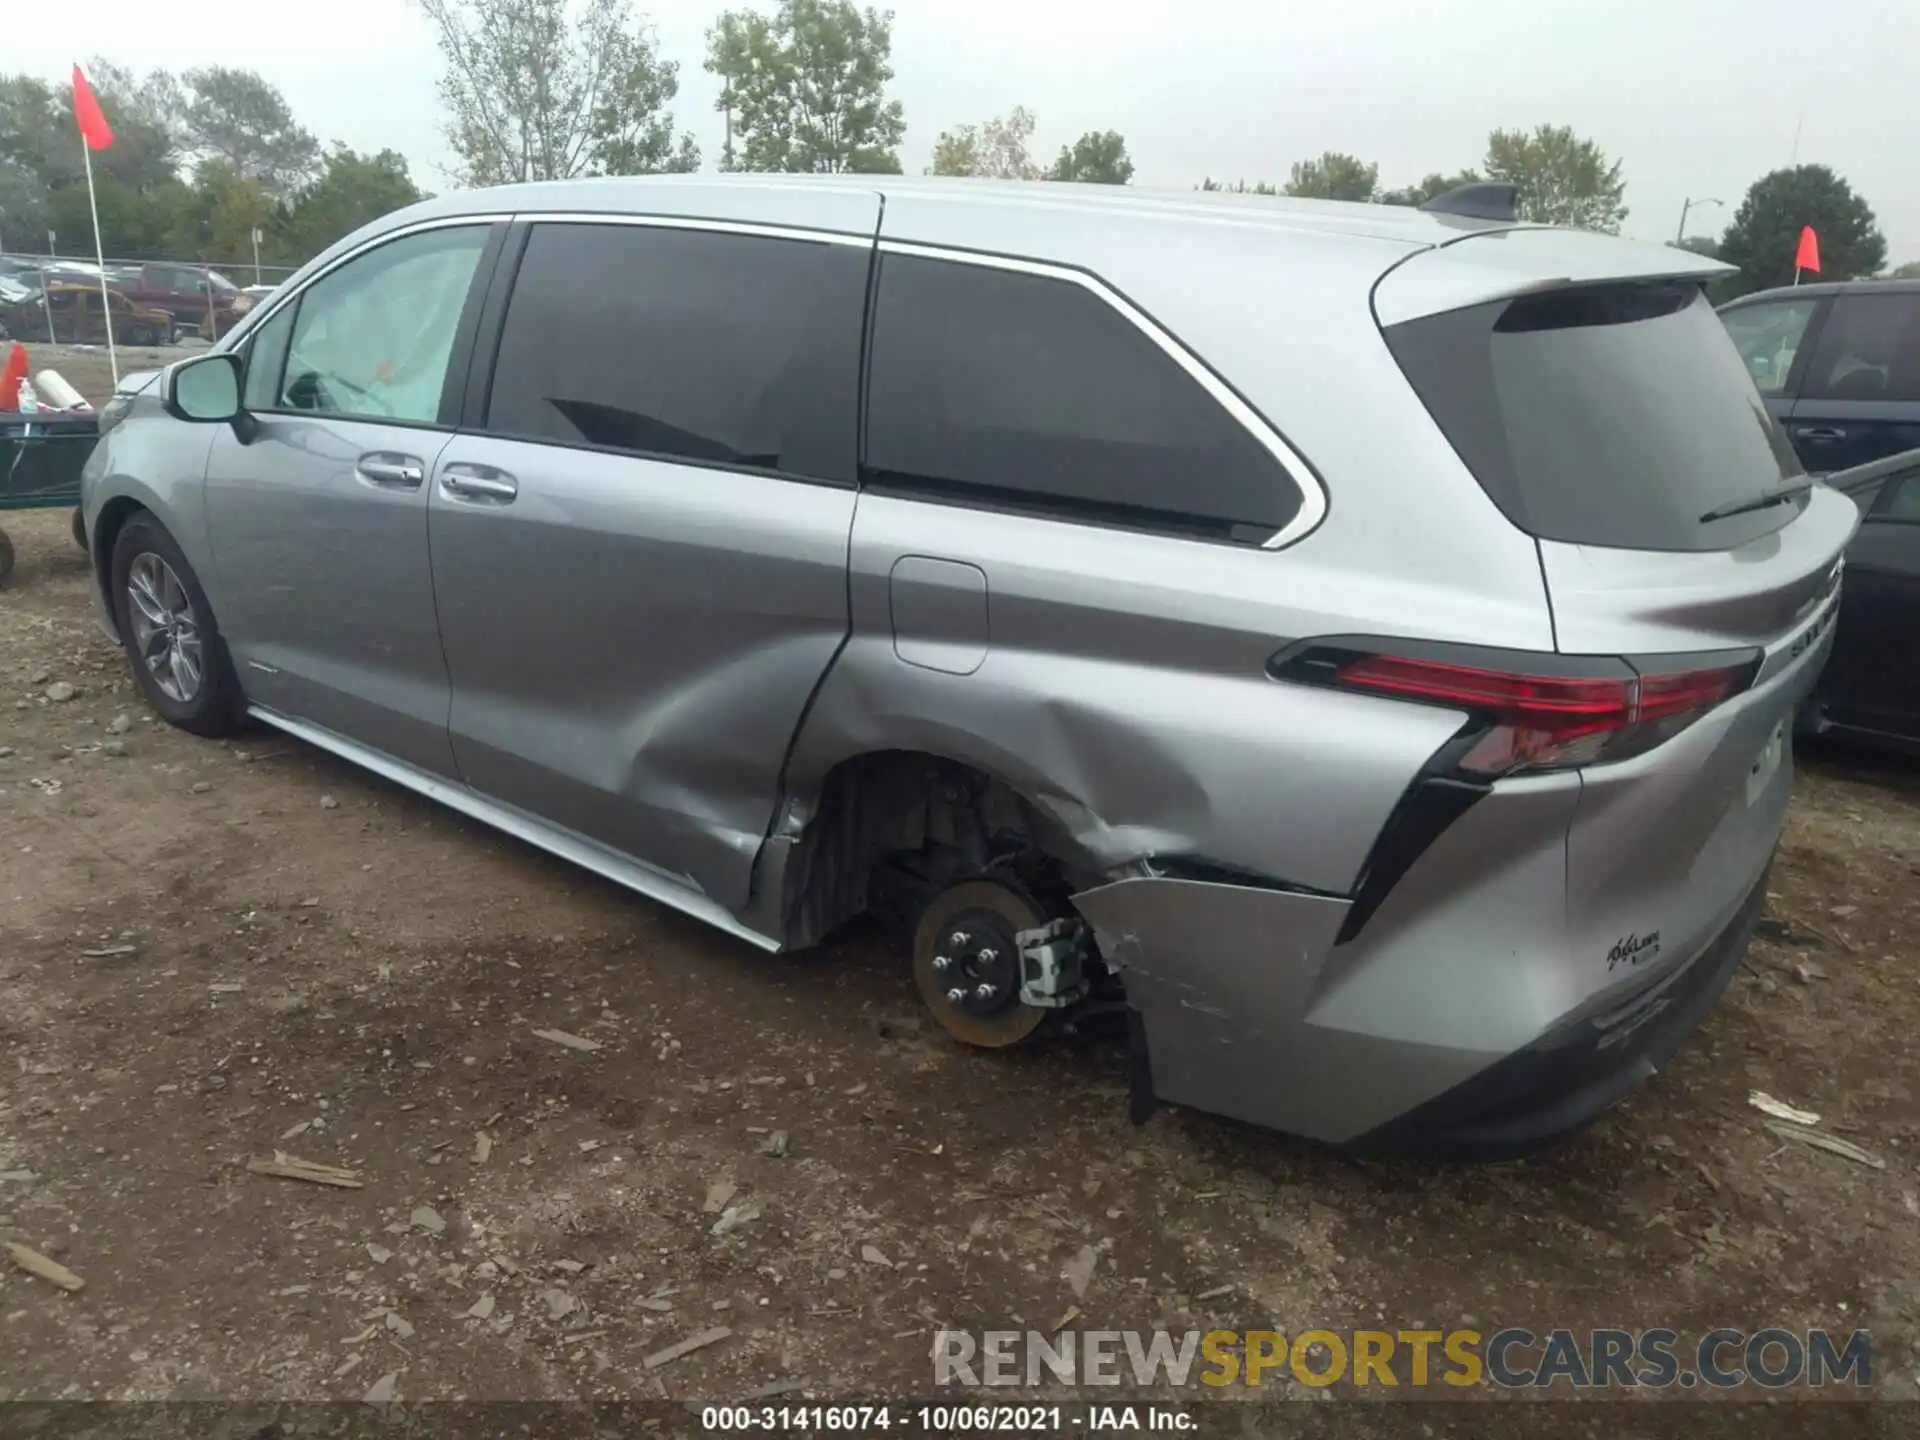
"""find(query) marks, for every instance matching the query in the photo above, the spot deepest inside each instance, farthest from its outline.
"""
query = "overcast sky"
(1697, 97)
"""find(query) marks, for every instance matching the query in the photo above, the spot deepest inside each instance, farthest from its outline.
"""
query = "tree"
(553, 89)
(996, 150)
(1561, 179)
(237, 117)
(1431, 188)
(350, 191)
(1764, 235)
(42, 184)
(1908, 271)
(1334, 176)
(804, 90)
(1239, 187)
(1098, 157)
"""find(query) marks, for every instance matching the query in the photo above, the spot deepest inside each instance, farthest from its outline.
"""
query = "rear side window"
(688, 345)
(995, 387)
(1611, 415)
(1869, 349)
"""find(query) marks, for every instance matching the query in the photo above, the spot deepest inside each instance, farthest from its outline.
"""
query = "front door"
(1860, 398)
(640, 557)
(317, 501)
(1770, 336)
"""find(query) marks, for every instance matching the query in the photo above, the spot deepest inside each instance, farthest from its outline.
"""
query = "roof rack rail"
(1482, 200)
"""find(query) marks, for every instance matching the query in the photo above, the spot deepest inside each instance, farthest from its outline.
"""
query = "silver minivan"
(1354, 644)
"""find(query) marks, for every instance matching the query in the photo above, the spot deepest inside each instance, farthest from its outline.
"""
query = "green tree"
(1239, 187)
(1908, 271)
(1431, 188)
(214, 219)
(42, 184)
(1098, 157)
(804, 90)
(1334, 176)
(553, 89)
(1764, 235)
(350, 191)
(236, 117)
(1561, 178)
(996, 150)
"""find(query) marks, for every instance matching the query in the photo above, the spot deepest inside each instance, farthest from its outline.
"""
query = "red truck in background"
(196, 297)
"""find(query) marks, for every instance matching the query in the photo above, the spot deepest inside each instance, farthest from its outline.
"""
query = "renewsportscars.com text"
(1773, 1358)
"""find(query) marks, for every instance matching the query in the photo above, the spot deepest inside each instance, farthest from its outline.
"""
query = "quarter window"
(991, 386)
(266, 360)
(698, 346)
(373, 338)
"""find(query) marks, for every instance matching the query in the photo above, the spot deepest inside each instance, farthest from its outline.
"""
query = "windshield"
(1615, 415)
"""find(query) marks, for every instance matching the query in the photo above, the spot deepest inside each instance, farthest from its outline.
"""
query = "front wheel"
(168, 629)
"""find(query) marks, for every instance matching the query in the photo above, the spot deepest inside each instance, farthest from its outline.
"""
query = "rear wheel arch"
(884, 818)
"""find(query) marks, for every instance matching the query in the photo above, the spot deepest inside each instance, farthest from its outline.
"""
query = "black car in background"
(1839, 366)
(1870, 689)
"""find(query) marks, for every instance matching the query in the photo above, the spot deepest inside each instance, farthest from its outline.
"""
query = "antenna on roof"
(1482, 200)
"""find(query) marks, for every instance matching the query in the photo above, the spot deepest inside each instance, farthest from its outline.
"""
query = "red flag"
(94, 129)
(1808, 257)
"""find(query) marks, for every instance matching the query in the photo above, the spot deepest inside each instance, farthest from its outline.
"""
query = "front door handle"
(390, 470)
(480, 483)
(1820, 432)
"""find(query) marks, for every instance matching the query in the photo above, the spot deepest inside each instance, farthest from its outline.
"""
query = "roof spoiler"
(1482, 200)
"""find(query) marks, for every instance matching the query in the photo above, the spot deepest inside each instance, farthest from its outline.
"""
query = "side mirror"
(206, 388)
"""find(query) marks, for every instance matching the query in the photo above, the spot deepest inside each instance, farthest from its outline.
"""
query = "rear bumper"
(1569, 1079)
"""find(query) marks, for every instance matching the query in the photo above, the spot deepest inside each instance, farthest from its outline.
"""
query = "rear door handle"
(390, 470)
(1820, 432)
(479, 483)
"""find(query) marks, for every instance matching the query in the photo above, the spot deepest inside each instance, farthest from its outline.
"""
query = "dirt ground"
(213, 951)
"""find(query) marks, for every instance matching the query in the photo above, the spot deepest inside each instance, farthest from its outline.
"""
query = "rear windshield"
(1616, 415)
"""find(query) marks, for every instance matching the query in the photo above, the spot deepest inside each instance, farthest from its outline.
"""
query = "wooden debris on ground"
(571, 1042)
(687, 1346)
(1832, 1144)
(291, 1167)
(1780, 1110)
(51, 1271)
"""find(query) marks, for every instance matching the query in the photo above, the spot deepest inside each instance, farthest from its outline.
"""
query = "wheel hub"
(166, 633)
(979, 964)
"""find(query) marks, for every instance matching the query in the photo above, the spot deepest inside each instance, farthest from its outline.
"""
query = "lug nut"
(956, 995)
(957, 939)
(988, 956)
(941, 962)
(983, 991)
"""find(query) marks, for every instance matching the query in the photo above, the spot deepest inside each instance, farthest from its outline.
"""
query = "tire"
(6, 557)
(79, 527)
(171, 638)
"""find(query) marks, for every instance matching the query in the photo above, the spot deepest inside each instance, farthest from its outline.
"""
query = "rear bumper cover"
(1569, 1079)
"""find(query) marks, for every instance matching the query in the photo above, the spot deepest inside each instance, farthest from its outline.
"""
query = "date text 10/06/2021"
(916, 1419)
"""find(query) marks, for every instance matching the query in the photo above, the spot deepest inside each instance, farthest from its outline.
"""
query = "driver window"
(373, 338)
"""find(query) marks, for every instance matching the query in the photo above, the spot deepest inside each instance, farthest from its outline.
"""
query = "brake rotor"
(967, 964)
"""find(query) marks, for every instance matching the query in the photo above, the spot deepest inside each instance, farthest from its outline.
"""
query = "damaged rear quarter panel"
(1124, 693)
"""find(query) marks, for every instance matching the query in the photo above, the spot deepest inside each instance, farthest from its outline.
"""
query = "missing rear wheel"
(967, 964)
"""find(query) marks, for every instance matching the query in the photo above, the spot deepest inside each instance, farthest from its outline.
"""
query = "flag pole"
(100, 258)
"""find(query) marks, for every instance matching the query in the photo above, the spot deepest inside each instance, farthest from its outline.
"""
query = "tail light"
(1528, 717)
